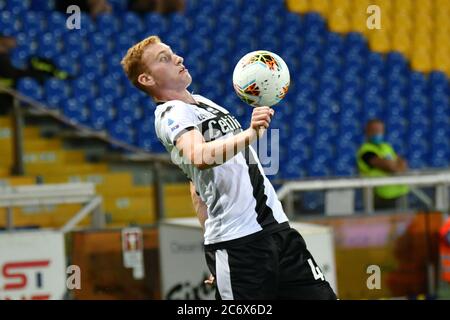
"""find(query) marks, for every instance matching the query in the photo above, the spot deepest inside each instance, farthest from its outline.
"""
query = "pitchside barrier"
(340, 193)
(401, 243)
(33, 262)
(167, 262)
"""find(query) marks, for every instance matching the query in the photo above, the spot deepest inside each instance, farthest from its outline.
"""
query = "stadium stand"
(342, 73)
(359, 74)
(47, 159)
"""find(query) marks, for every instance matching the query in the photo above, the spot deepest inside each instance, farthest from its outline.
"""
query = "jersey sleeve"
(175, 120)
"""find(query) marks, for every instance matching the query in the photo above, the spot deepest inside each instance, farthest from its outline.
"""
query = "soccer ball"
(261, 78)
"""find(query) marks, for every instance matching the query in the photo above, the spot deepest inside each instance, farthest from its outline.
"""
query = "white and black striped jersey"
(242, 203)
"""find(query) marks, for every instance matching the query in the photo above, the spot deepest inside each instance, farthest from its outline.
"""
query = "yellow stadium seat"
(5, 152)
(338, 21)
(359, 4)
(320, 6)
(44, 169)
(299, 6)
(17, 181)
(401, 42)
(406, 5)
(421, 60)
(28, 132)
(379, 41)
(131, 191)
(358, 23)
(109, 180)
(358, 16)
(178, 201)
(131, 218)
(42, 144)
(45, 157)
(5, 121)
(416, 28)
(423, 22)
(71, 156)
(31, 133)
(441, 59)
(402, 22)
(31, 145)
(49, 216)
(4, 172)
(386, 9)
(129, 203)
(340, 4)
(139, 210)
(441, 3)
(421, 40)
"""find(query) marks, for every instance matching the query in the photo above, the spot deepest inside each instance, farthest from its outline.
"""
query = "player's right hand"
(261, 118)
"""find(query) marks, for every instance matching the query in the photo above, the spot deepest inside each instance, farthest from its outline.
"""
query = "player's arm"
(206, 155)
(202, 214)
(199, 206)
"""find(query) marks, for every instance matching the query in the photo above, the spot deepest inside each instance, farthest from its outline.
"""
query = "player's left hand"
(210, 280)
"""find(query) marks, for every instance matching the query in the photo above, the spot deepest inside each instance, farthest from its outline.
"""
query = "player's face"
(166, 68)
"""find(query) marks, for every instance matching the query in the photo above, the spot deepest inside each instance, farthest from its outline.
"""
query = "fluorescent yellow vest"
(383, 151)
(8, 83)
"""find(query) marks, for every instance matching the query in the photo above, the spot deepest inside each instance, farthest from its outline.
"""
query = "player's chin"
(186, 75)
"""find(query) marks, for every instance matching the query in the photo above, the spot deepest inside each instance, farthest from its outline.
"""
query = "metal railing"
(158, 161)
(440, 180)
(53, 194)
(20, 100)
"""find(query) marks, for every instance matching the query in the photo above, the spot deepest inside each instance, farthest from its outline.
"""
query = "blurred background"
(80, 162)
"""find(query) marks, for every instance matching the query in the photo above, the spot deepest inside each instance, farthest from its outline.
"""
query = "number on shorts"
(317, 273)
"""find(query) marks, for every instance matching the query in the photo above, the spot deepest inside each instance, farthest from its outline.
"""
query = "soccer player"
(250, 248)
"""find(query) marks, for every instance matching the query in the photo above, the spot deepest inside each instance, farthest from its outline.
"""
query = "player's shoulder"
(209, 102)
(175, 106)
(200, 98)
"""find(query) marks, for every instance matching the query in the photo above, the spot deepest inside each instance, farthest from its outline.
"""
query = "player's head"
(375, 131)
(153, 68)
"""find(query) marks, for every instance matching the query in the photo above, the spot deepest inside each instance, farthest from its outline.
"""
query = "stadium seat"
(342, 73)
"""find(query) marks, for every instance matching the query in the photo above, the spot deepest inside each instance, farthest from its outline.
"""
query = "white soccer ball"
(261, 78)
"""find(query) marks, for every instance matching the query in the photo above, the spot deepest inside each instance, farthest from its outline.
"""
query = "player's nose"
(178, 59)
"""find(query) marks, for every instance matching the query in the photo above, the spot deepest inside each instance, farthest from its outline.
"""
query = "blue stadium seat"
(42, 5)
(30, 88)
(18, 7)
(55, 92)
(337, 82)
(75, 109)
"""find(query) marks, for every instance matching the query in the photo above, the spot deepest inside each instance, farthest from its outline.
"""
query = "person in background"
(377, 158)
(159, 6)
(38, 68)
(93, 7)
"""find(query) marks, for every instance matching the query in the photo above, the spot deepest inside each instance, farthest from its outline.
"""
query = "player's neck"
(184, 96)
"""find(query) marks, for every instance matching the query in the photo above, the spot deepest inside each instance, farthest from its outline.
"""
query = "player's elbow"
(201, 166)
(199, 161)
(204, 166)
(202, 160)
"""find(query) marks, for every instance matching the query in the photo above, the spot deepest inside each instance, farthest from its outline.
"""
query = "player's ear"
(146, 80)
